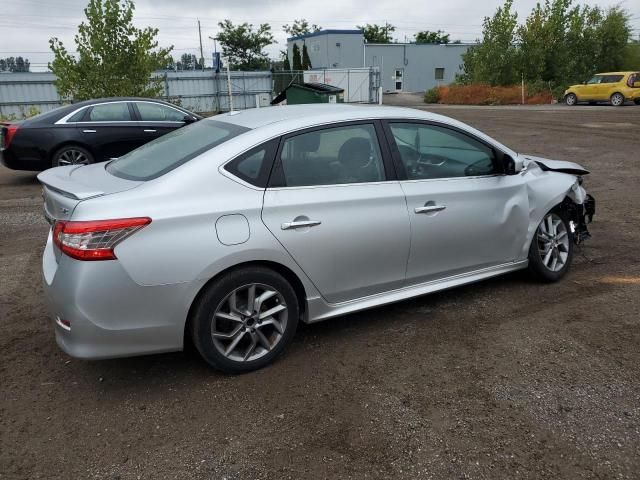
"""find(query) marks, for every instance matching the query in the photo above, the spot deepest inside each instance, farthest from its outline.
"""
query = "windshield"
(163, 154)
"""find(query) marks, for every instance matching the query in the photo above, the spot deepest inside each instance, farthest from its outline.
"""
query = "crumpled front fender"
(546, 189)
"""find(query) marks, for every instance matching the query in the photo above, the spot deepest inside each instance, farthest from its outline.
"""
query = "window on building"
(439, 73)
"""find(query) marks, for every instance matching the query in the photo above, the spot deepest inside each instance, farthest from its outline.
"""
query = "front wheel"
(551, 250)
(243, 321)
(571, 99)
(637, 101)
(617, 99)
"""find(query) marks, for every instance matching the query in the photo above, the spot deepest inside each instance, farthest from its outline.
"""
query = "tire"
(571, 99)
(637, 101)
(617, 99)
(227, 337)
(72, 155)
(551, 250)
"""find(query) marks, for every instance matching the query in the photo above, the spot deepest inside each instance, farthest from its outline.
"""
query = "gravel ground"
(502, 379)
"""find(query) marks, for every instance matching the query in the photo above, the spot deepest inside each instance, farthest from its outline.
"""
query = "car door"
(590, 90)
(465, 215)
(156, 119)
(109, 130)
(334, 204)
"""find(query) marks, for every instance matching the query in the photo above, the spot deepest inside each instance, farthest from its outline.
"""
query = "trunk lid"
(65, 187)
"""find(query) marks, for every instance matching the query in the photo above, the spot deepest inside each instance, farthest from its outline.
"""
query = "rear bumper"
(109, 315)
(9, 160)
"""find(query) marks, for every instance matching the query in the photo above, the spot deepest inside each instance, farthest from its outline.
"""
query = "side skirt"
(320, 310)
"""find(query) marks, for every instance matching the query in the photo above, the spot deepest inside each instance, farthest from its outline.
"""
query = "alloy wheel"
(72, 156)
(553, 242)
(249, 322)
(571, 99)
(617, 99)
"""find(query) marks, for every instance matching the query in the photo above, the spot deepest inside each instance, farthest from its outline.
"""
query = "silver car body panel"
(370, 247)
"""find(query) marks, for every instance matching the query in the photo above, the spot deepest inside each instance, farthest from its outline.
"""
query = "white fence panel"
(356, 82)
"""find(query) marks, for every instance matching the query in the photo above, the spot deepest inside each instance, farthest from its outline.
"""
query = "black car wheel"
(72, 155)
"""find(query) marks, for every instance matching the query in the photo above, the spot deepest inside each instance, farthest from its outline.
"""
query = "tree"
(14, 64)
(297, 61)
(613, 35)
(114, 57)
(188, 61)
(286, 65)
(306, 61)
(493, 60)
(300, 27)
(559, 44)
(243, 46)
(377, 33)
(432, 37)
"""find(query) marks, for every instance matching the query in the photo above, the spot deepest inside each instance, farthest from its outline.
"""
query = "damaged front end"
(580, 215)
(580, 208)
(578, 205)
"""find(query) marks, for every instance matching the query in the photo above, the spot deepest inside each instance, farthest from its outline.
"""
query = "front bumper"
(108, 314)
(582, 216)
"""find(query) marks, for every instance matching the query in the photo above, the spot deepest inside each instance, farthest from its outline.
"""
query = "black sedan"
(88, 132)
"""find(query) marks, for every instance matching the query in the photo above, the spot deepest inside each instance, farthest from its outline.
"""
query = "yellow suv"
(613, 87)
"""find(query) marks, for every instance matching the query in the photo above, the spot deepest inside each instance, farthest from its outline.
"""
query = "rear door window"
(110, 112)
(331, 156)
(155, 112)
(168, 152)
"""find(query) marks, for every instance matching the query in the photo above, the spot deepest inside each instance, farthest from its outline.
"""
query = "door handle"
(429, 208)
(149, 130)
(88, 131)
(305, 223)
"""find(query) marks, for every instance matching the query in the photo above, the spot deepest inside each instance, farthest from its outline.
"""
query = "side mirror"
(189, 119)
(511, 166)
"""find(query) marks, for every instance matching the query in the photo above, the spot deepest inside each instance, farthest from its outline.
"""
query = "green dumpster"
(296, 94)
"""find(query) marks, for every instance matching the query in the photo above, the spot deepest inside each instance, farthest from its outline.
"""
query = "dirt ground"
(503, 379)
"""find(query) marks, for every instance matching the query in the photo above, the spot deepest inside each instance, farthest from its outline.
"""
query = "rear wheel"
(617, 99)
(243, 321)
(571, 99)
(551, 250)
(72, 155)
(637, 101)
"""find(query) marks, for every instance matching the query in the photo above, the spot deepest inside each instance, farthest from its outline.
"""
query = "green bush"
(432, 96)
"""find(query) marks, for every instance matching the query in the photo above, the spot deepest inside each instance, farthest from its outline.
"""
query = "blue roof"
(326, 32)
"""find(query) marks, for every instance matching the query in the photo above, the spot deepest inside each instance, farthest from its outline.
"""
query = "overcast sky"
(27, 25)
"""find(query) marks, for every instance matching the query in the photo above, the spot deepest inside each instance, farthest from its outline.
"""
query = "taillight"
(95, 240)
(8, 135)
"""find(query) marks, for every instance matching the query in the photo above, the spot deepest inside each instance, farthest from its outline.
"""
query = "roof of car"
(616, 73)
(258, 117)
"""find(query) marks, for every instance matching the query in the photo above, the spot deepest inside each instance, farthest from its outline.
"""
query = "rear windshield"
(163, 154)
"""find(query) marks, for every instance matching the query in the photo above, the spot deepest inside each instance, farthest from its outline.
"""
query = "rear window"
(163, 154)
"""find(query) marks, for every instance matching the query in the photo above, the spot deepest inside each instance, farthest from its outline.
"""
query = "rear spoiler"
(58, 180)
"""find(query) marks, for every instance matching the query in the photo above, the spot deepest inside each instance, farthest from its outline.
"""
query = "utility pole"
(201, 53)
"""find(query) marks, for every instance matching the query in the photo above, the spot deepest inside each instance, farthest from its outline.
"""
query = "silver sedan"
(232, 230)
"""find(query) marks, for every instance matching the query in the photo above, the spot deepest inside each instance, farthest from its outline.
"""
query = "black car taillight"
(9, 133)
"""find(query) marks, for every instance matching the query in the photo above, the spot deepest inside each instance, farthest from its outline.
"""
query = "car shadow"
(15, 178)
(170, 370)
